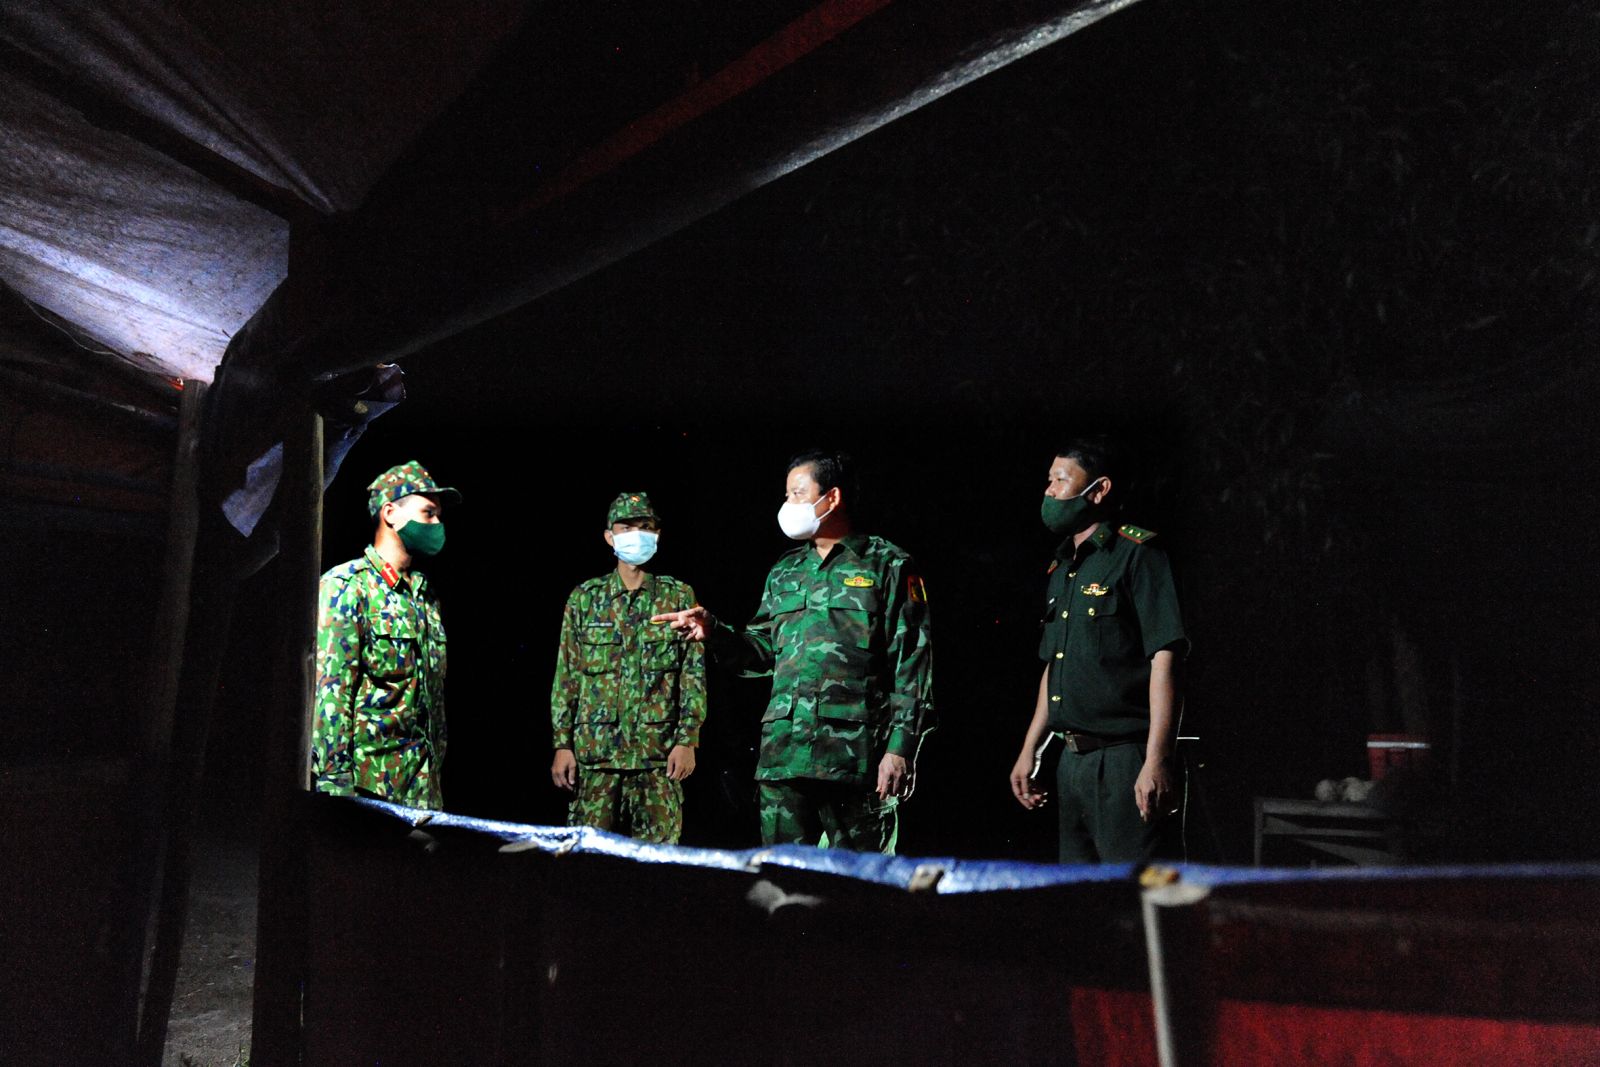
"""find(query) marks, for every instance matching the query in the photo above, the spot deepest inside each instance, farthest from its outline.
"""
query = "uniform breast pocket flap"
(868, 599)
(599, 645)
(1095, 600)
(391, 650)
(661, 652)
(844, 711)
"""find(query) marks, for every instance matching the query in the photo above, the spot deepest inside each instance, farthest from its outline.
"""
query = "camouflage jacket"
(846, 641)
(379, 724)
(625, 692)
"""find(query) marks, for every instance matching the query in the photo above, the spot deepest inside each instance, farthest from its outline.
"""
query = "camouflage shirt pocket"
(599, 645)
(854, 619)
(847, 709)
(787, 606)
(659, 651)
(391, 649)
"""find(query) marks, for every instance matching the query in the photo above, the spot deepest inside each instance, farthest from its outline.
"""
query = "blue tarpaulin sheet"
(959, 876)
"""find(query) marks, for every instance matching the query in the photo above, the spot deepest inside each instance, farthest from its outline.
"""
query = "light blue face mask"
(634, 546)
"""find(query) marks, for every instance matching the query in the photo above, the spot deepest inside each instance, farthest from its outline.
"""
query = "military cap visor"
(407, 479)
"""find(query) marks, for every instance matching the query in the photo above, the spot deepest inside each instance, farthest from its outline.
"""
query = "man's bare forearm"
(1164, 703)
(1041, 716)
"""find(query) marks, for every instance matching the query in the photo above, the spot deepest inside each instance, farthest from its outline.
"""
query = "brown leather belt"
(1082, 743)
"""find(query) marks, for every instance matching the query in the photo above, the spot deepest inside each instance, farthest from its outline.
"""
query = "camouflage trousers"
(805, 811)
(643, 804)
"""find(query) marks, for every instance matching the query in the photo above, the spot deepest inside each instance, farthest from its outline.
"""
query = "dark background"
(1328, 268)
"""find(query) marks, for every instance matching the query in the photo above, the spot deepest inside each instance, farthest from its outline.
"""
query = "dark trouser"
(1099, 818)
(799, 811)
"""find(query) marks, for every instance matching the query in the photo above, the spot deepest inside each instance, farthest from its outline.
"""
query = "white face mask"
(800, 522)
(634, 546)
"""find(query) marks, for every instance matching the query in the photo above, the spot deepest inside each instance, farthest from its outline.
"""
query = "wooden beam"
(145, 418)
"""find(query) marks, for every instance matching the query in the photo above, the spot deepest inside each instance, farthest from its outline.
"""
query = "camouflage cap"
(631, 506)
(404, 480)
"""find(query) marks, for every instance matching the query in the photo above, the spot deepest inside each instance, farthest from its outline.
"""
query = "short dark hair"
(1097, 454)
(830, 470)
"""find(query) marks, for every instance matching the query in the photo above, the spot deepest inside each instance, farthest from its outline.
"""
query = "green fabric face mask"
(1068, 516)
(422, 538)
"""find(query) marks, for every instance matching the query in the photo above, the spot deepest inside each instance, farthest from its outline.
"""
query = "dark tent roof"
(152, 155)
(413, 169)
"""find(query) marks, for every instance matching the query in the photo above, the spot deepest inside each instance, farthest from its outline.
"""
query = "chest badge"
(858, 581)
(1095, 589)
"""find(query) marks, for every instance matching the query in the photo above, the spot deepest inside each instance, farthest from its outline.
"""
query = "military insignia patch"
(1095, 589)
(858, 581)
(1052, 568)
(916, 590)
(1136, 534)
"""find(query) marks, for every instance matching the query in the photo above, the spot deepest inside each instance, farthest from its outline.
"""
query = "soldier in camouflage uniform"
(379, 727)
(629, 697)
(843, 631)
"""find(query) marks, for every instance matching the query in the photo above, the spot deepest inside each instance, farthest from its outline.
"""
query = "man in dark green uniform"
(378, 727)
(843, 631)
(628, 698)
(1112, 646)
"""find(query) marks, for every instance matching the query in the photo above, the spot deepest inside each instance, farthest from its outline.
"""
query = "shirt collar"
(615, 588)
(414, 581)
(854, 542)
(1067, 550)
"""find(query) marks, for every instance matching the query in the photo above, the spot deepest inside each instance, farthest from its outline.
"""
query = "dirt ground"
(210, 1023)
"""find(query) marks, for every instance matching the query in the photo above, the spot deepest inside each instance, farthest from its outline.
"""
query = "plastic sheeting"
(537, 944)
(154, 260)
(141, 253)
(532, 944)
(955, 876)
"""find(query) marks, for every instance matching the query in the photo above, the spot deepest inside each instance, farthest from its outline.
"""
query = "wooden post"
(281, 915)
(152, 765)
(172, 621)
(214, 588)
(1175, 920)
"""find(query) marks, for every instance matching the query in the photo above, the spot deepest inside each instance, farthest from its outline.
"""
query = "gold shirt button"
(1063, 614)
(1060, 654)
(1091, 611)
(1056, 699)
